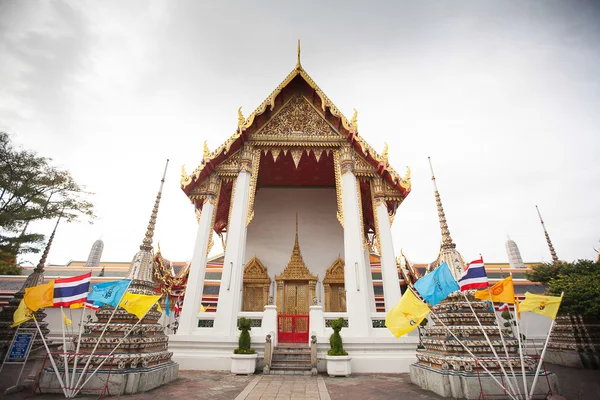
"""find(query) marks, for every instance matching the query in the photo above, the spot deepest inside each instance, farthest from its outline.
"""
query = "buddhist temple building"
(298, 197)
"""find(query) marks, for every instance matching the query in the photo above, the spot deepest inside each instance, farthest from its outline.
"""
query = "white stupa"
(514, 255)
(93, 260)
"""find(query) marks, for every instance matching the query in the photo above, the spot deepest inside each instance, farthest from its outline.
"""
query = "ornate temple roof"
(332, 120)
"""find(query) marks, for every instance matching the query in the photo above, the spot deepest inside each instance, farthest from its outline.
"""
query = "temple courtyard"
(576, 384)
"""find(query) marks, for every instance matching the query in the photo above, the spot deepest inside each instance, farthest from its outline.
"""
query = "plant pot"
(243, 364)
(339, 365)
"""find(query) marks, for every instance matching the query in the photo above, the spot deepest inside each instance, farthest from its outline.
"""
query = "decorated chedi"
(6, 315)
(145, 350)
(443, 365)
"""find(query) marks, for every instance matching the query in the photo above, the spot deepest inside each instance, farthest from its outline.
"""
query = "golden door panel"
(337, 298)
(253, 298)
(296, 298)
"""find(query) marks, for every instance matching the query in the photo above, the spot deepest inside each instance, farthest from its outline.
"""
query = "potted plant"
(243, 360)
(338, 360)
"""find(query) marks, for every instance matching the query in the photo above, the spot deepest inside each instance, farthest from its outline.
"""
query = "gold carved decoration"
(346, 158)
(207, 190)
(297, 117)
(333, 286)
(256, 286)
(354, 121)
(362, 167)
(230, 166)
(252, 190)
(338, 187)
(296, 286)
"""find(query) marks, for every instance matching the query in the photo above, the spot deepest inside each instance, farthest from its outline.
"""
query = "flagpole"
(520, 350)
(77, 349)
(60, 381)
(490, 343)
(472, 355)
(512, 371)
(85, 368)
(539, 367)
(98, 341)
(111, 353)
(65, 357)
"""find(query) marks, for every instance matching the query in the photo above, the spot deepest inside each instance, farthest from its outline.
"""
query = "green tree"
(32, 189)
(580, 282)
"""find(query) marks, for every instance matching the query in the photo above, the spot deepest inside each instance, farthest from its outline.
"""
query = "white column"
(269, 322)
(369, 274)
(195, 285)
(355, 282)
(316, 321)
(230, 293)
(389, 271)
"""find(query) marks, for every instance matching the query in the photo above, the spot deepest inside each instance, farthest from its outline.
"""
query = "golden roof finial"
(147, 242)
(384, 155)
(354, 121)
(298, 65)
(241, 119)
(206, 151)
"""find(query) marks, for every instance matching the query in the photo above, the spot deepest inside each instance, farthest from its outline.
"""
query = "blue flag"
(109, 292)
(437, 285)
(167, 311)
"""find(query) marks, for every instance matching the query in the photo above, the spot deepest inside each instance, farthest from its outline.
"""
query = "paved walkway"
(220, 385)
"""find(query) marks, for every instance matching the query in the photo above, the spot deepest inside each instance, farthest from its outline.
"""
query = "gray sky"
(503, 95)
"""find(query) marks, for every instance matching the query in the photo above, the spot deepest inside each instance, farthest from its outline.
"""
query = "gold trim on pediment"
(256, 273)
(362, 167)
(298, 117)
(335, 273)
(230, 166)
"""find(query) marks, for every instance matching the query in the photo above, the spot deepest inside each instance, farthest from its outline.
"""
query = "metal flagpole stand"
(473, 355)
(60, 381)
(490, 343)
(72, 387)
(19, 349)
(517, 323)
(64, 351)
(111, 353)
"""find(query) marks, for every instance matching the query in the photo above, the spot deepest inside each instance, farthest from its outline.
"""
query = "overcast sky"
(503, 95)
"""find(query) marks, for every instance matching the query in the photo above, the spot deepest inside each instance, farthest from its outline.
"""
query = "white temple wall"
(271, 232)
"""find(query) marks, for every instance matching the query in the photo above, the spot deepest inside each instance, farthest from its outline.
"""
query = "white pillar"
(230, 292)
(389, 271)
(369, 274)
(269, 322)
(355, 282)
(316, 321)
(195, 285)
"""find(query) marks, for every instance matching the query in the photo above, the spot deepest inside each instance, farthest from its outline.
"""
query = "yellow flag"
(159, 308)
(502, 292)
(406, 315)
(76, 305)
(39, 296)
(22, 314)
(202, 308)
(138, 304)
(544, 305)
(66, 320)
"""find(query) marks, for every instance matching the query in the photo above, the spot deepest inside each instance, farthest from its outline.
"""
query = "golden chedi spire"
(447, 242)
(550, 247)
(142, 265)
(296, 260)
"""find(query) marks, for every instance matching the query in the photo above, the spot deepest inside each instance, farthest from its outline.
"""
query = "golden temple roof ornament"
(241, 119)
(206, 151)
(384, 155)
(298, 65)
(354, 120)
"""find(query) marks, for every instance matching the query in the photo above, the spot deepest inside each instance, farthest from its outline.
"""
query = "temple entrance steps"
(291, 359)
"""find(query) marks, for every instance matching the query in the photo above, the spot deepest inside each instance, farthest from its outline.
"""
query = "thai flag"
(503, 307)
(474, 276)
(177, 307)
(71, 290)
(92, 305)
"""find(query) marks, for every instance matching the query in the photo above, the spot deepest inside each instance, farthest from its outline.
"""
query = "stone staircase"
(291, 359)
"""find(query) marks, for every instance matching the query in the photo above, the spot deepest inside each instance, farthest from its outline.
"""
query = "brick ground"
(575, 384)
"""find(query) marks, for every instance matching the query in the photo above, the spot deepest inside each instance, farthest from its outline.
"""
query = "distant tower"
(93, 260)
(552, 252)
(514, 255)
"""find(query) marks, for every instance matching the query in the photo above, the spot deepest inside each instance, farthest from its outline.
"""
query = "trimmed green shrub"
(335, 340)
(244, 325)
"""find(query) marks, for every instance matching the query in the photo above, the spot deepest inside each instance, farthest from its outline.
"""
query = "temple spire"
(552, 252)
(147, 242)
(298, 65)
(447, 242)
(42, 263)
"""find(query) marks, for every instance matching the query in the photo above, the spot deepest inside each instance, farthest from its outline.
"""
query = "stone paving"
(220, 385)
